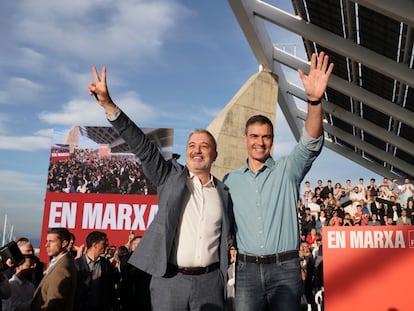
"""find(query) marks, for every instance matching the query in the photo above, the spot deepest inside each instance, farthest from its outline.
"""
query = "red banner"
(368, 268)
(59, 152)
(81, 213)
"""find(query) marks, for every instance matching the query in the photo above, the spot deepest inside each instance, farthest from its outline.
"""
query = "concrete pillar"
(257, 96)
(72, 138)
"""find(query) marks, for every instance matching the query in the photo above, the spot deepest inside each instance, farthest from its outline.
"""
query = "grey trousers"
(178, 292)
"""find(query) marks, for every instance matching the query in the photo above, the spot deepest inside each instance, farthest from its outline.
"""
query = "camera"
(10, 251)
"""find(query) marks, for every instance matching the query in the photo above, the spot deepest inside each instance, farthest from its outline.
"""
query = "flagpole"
(4, 230)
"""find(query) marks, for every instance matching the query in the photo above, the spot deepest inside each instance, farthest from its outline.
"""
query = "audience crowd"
(88, 172)
(374, 204)
(106, 281)
(98, 274)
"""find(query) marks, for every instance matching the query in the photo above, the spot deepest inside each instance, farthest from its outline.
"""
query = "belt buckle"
(259, 258)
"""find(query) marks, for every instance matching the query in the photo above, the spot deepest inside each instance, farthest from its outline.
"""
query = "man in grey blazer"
(185, 248)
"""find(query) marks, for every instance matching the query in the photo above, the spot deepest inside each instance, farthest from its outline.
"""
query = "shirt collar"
(268, 163)
(210, 183)
(89, 260)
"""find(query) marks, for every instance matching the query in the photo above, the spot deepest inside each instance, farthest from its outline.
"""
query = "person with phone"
(22, 288)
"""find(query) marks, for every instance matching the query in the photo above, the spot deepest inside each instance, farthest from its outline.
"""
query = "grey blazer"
(152, 253)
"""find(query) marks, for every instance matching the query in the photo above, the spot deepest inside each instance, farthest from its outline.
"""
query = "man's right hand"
(100, 90)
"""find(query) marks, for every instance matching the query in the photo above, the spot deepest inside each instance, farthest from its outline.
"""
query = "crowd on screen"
(88, 172)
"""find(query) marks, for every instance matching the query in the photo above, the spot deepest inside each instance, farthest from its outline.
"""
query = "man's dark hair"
(62, 233)
(94, 237)
(261, 119)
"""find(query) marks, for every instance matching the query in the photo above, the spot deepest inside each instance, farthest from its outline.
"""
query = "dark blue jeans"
(275, 286)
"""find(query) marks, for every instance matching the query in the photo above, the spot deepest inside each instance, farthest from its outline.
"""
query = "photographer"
(21, 287)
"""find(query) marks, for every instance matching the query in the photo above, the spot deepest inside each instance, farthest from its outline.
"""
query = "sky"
(170, 63)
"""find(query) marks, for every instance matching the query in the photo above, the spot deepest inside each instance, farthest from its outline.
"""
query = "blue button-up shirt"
(265, 203)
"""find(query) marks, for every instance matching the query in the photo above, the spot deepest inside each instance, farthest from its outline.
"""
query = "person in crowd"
(378, 209)
(231, 273)
(308, 188)
(308, 222)
(57, 289)
(313, 238)
(365, 207)
(355, 195)
(307, 198)
(393, 208)
(319, 186)
(348, 186)
(364, 219)
(95, 290)
(314, 207)
(22, 288)
(318, 195)
(372, 188)
(174, 250)
(407, 191)
(338, 192)
(362, 188)
(301, 210)
(384, 189)
(321, 222)
(403, 220)
(357, 216)
(395, 188)
(331, 202)
(347, 220)
(5, 289)
(72, 245)
(26, 248)
(307, 271)
(335, 219)
(374, 221)
(352, 208)
(327, 189)
(268, 235)
(410, 210)
(388, 221)
(135, 283)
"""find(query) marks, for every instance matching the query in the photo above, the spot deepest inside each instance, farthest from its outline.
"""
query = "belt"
(194, 270)
(266, 259)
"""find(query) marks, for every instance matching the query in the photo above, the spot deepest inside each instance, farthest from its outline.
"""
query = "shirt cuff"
(114, 114)
(312, 144)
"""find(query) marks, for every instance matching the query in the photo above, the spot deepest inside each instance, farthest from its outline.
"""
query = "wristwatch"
(315, 102)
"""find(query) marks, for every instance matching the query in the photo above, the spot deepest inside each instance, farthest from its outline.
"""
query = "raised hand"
(316, 81)
(99, 89)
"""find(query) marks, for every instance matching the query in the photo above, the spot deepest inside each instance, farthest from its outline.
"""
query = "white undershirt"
(198, 235)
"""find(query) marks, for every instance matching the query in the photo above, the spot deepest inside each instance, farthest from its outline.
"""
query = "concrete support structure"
(257, 96)
(72, 138)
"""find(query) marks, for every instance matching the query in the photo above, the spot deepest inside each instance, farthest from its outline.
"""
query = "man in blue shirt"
(265, 194)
